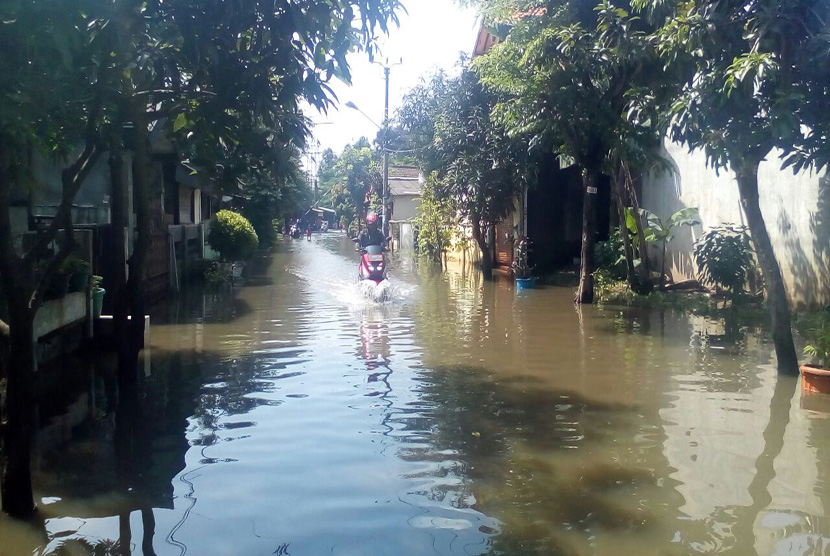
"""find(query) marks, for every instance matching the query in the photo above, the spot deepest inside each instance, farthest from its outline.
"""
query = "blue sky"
(430, 36)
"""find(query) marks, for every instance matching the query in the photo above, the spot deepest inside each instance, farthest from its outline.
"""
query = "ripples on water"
(303, 416)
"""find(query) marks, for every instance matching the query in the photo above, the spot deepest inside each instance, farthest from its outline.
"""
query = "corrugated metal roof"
(404, 172)
(404, 186)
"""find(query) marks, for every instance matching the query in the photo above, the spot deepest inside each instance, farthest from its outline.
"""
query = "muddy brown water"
(300, 417)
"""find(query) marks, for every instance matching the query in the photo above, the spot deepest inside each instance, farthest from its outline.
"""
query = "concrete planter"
(97, 301)
(237, 269)
(815, 379)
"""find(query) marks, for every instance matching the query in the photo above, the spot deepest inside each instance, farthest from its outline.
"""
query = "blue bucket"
(525, 283)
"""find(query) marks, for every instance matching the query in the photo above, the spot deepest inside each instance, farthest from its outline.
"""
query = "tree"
(50, 101)
(480, 169)
(209, 71)
(358, 172)
(579, 80)
(326, 174)
(435, 216)
(749, 73)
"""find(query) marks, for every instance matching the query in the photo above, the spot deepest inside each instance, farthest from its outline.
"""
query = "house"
(182, 204)
(550, 214)
(796, 210)
(405, 191)
(405, 194)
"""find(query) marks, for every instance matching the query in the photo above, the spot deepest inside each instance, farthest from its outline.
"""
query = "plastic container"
(525, 283)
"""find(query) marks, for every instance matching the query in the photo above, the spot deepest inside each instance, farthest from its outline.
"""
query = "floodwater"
(299, 417)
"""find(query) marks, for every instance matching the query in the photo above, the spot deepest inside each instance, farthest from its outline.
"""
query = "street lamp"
(384, 144)
(354, 106)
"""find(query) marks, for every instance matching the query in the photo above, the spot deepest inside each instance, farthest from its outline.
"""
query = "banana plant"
(658, 231)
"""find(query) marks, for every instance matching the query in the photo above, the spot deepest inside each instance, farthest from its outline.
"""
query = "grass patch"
(746, 308)
(562, 279)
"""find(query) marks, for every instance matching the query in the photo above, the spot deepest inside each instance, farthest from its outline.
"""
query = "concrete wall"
(405, 207)
(796, 210)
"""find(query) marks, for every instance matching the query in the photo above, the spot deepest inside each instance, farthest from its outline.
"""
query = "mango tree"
(51, 104)
(479, 168)
(571, 76)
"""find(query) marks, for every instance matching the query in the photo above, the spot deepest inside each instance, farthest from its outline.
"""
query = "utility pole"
(386, 155)
(385, 145)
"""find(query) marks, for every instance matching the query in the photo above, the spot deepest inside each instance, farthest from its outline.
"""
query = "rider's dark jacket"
(367, 238)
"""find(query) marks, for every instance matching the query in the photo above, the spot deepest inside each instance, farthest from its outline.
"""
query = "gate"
(157, 267)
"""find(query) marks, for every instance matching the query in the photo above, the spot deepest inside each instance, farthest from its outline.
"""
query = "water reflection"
(298, 417)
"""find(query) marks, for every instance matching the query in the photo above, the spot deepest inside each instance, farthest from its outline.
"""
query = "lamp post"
(384, 142)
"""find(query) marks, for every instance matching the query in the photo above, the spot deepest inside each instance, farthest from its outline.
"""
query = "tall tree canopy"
(583, 82)
(478, 165)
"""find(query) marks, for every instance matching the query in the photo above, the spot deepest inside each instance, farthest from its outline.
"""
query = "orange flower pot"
(815, 379)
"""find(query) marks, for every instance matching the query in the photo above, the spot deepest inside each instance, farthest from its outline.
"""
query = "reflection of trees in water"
(129, 465)
(200, 305)
(764, 527)
(519, 451)
(720, 351)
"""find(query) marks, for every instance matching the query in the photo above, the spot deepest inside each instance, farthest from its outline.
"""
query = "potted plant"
(815, 376)
(97, 296)
(521, 268)
(77, 272)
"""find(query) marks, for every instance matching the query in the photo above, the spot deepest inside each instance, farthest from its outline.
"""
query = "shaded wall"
(796, 210)
(554, 216)
(405, 207)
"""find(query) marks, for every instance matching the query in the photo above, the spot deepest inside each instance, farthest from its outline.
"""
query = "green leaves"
(689, 216)
(480, 167)
(724, 257)
(656, 230)
(232, 235)
(180, 122)
(754, 76)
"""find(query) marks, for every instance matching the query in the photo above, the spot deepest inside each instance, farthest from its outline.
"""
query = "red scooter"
(372, 263)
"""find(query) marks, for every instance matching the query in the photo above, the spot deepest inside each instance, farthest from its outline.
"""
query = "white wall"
(405, 207)
(796, 210)
(185, 204)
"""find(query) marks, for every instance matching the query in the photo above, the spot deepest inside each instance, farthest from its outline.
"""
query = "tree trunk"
(486, 254)
(776, 295)
(135, 283)
(18, 498)
(119, 238)
(585, 293)
(618, 197)
(16, 480)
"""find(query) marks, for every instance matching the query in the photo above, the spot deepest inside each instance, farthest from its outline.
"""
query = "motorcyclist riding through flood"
(371, 235)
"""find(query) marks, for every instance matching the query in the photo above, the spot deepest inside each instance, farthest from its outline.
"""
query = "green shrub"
(610, 256)
(434, 214)
(724, 257)
(232, 236)
(815, 327)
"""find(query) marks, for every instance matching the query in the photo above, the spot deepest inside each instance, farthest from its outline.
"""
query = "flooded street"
(299, 417)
